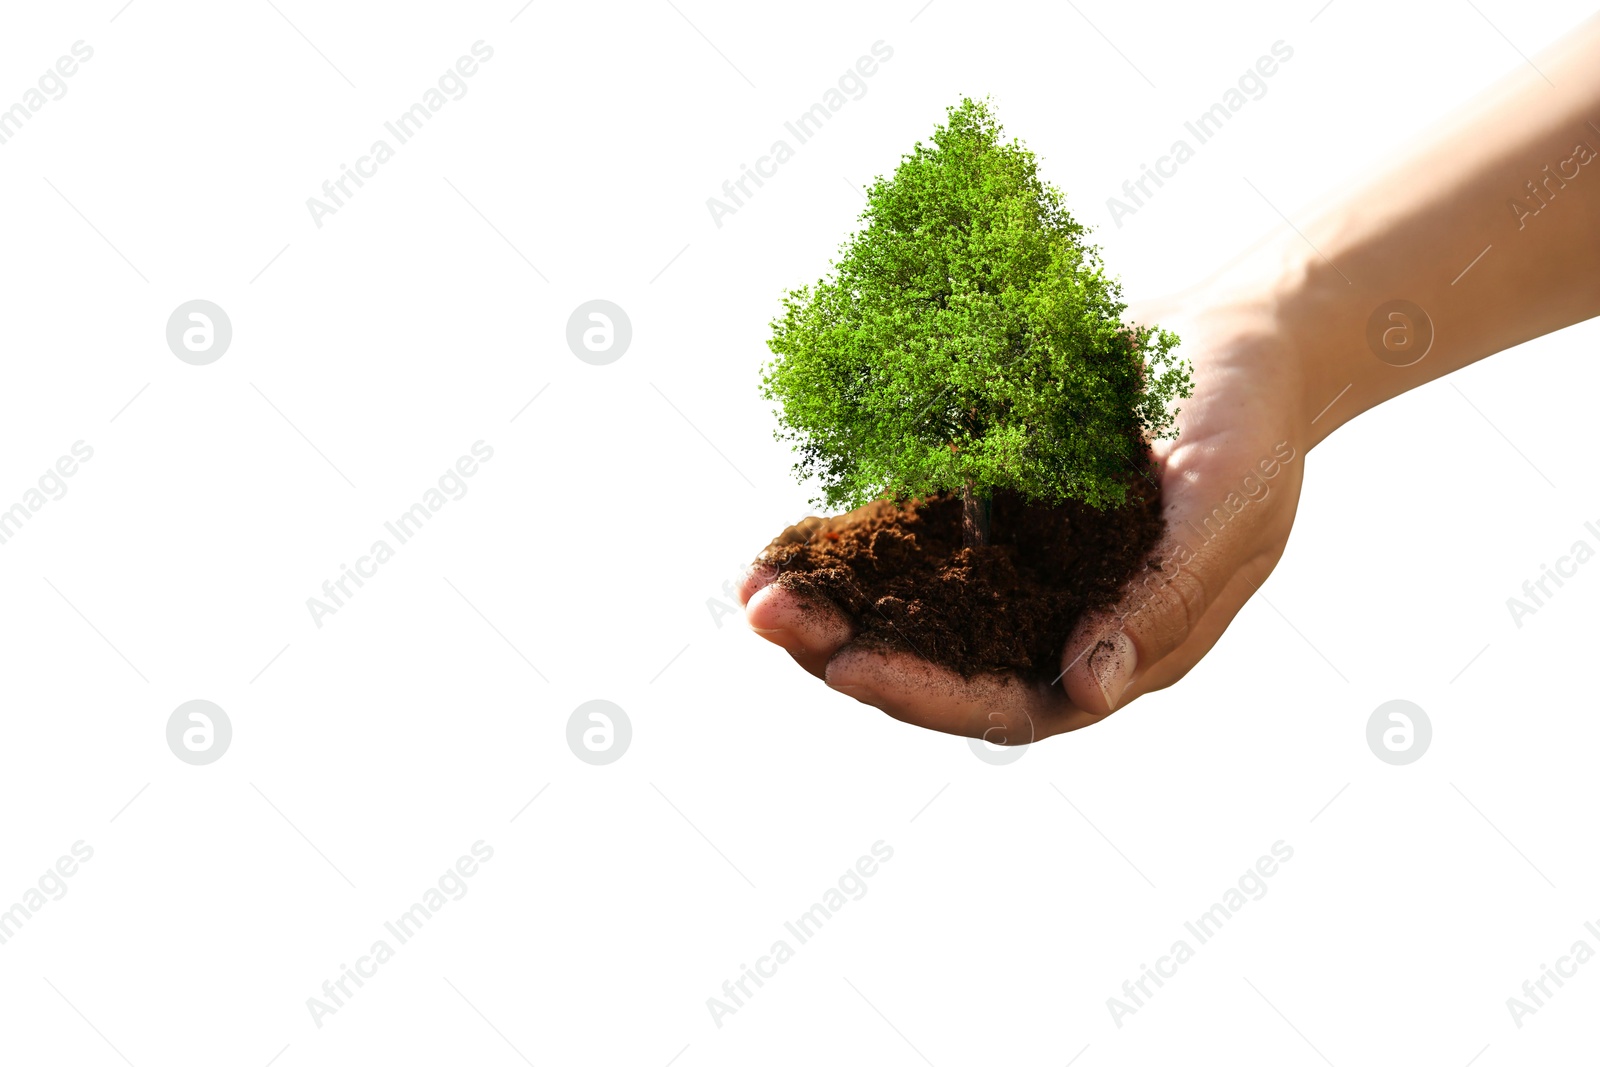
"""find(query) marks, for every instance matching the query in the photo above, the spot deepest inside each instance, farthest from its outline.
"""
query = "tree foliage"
(969, 339)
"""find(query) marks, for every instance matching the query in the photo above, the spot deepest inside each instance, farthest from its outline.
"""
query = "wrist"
(1322, 315)
(1276, 304)
(1319, 319)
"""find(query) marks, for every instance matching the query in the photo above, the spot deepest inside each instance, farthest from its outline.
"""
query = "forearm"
(1442, 232)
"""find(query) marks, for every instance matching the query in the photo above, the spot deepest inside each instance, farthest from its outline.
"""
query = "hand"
(1230, 483)
(1272, 342)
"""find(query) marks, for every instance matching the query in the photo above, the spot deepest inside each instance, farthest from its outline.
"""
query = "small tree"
(969, 340)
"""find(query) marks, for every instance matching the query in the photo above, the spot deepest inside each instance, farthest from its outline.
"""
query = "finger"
(808, 628)
(999, 707)
(1213, 624)
(760, 573)
(1111, 654)
(757, 578)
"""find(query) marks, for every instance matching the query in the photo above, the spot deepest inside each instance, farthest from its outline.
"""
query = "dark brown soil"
(902, 576)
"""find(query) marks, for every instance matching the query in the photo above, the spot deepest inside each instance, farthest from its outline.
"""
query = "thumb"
(1161, 608)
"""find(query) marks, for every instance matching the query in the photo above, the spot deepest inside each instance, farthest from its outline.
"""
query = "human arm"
(1279, 340)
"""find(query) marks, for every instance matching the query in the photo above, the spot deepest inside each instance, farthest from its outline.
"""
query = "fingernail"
(1112, 663)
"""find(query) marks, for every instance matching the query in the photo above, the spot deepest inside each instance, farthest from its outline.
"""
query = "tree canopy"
(969, 339)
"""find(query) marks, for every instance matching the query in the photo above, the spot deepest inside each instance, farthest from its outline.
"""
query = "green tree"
(969, 340)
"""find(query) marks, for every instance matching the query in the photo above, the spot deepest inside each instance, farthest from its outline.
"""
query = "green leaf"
(968, 333)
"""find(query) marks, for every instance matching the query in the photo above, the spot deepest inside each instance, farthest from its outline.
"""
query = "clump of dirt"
(900, 573)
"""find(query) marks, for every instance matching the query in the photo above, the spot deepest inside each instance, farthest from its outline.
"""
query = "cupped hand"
(1230, 483)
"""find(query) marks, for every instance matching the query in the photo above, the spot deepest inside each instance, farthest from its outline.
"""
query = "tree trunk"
(974, 517)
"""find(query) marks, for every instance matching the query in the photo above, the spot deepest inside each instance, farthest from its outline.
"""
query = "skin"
(1278, 340)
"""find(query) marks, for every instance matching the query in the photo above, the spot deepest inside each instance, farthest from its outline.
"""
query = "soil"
(901, 575)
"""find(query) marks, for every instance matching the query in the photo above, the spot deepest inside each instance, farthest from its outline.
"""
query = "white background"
(369, 753)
